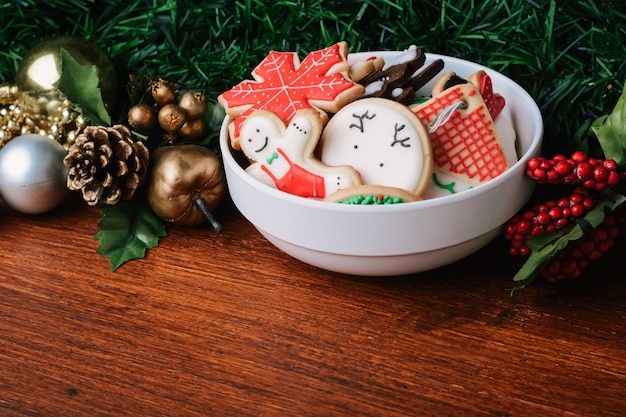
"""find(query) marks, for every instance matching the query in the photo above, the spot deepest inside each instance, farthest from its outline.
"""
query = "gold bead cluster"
(47, 113)
(166, 113)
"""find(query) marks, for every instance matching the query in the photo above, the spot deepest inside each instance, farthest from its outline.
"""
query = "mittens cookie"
(283, 155)
(382, 140)
(494, 101)
(283, 85)
(482, 81)
(464, 139)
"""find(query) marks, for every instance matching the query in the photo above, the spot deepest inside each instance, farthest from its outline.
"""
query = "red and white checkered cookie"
(467, 145)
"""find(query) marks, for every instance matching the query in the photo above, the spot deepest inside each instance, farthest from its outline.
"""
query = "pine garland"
(569, 55)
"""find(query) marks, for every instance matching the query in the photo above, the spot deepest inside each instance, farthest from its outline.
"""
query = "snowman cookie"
(383, 141)
(283, 155)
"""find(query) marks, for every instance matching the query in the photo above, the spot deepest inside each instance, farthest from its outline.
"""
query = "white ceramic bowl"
(385, 240)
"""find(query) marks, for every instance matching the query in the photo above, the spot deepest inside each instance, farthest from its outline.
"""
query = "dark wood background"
(227, 325)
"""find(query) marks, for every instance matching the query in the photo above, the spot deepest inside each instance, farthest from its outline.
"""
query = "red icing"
(283, 86)
(297, 180)
(466, 143)
(495, 102)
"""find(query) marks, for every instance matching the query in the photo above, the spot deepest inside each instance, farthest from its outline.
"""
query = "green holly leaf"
(214, 116)
(127, 230)
(79, 83)
(611, 132)
(545, 246)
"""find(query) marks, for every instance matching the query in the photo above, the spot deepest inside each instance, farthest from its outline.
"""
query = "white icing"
(276, 150)
(380, 141)
(449, 185)
(374, 87)
(396, 92)
(402, 58)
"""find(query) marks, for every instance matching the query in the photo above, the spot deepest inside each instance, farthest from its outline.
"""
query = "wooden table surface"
(227, 325)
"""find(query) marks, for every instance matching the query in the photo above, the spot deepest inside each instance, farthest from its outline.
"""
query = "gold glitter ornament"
(40, 67)
(8, 93)
(47, 113)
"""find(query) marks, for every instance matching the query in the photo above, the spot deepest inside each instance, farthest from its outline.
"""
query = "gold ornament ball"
(171, 117)
(194, 103)
(141, 117)
(193, 129)
(163, 92)
(40, 67)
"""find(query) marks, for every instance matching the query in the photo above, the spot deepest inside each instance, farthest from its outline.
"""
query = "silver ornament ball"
(33, 178)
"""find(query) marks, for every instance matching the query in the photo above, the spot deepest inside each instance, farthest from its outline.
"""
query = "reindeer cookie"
(383, 140)
(283, 155)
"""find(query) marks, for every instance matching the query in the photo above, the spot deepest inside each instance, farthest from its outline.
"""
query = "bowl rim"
(474, 192)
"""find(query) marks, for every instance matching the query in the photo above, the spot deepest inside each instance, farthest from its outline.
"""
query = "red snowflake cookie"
(283, 86)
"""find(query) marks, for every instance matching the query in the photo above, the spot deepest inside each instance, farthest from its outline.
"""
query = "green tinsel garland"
(569, 55)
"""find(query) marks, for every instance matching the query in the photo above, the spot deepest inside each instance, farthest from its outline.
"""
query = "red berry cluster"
(591, 173)
(589, 176)
(570, 262)
(547, 217)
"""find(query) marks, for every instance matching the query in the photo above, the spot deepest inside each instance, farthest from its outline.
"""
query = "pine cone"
(107, 164)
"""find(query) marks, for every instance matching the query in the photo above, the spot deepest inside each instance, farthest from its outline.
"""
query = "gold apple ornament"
(186, 183)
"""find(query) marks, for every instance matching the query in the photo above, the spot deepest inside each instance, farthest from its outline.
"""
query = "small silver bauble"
(33, 178)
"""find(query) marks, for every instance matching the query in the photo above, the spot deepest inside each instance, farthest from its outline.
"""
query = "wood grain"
(227, 325)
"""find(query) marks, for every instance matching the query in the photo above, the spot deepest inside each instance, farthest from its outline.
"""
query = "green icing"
(372, 200)
(449, 187)
(271, 158)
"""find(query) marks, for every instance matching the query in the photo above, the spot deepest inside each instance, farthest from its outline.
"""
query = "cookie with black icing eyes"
(382, 140)
(283, 156)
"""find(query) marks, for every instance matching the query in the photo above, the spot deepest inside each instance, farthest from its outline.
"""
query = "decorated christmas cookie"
(383, 140)
(372, 195)
(482, 81)
(465, 142)
(283, 86)
(494, 101)
(401, 77)
(283, 155)
(446, 184)
(363, 68)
